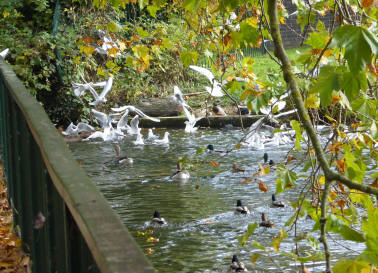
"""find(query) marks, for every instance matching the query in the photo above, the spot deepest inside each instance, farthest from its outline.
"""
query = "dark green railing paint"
(81, 233)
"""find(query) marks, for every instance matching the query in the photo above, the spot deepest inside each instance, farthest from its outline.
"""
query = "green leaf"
(345, 266)
(298, 133)
(370, 228)
(355, 167)
(278, 239)
(113, 27)
(329, 80)
(142, 33)
(189, 57)
(248, 34)
(191, 5)
(336, 225)
(317, 39)
(353, 83)
(167, 43)
(366, 108)
(286, 178)
(244, 238)
(152, 10)
(359, 43)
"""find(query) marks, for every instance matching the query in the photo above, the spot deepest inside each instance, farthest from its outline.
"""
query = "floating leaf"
(263, 170)
(255, 256)
(289, 159)
(262, 186)
(214, 164)
(246, 180)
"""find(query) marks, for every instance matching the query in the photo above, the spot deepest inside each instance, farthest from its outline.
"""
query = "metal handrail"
(81, 232)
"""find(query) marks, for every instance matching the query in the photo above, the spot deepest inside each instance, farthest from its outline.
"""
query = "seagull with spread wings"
(131, 108)
(101, 98)
(4, 53)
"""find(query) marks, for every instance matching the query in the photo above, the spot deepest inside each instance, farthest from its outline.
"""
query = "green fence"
(81, 232)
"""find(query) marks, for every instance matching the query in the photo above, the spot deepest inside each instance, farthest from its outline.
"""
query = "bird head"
(239, 203)
(156, 214)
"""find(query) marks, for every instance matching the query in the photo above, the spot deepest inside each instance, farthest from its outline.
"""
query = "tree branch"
(299, 104)
(323, 221)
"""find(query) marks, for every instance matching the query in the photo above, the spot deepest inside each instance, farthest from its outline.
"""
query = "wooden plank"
(112, 246)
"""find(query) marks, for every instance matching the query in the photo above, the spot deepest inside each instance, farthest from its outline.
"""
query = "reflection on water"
(202, 230)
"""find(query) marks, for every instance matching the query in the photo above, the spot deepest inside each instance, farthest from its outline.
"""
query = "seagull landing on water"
(191, 122)
(131, 108)
(139, 139)
(133, 128)
(74, 130)
(109, 133)
(4, 53)
(101, 98)
(164, 140)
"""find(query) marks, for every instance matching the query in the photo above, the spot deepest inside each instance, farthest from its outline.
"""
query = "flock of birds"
(115, 126)
(180, 174)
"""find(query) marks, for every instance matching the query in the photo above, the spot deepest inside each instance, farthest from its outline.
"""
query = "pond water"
(202, 230)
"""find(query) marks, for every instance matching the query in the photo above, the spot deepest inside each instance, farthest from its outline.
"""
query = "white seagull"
(151, 134)
(164, 140)
(122, 123)
(101, 98)
(133, 128)
(215, 90)
(80, 88)
(135, 110)
(4, 53)
(191, 122)
(109, 132)
(178, 98)
(73, 129)
(139, 139)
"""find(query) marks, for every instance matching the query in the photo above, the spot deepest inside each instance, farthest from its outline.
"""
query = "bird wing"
(216, 91)
(143, 115)
(134, 123)
(98, 84)
(69, 130)
(107, 87)
(188, 114)
(203, 71)
(285, 113)
(83, 127)
(122, 123)
(101, 117)
(93, 92)
(4, 53)
(121, 109)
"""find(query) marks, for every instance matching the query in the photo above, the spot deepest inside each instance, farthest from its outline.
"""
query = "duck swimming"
(210, 149)
(237, 266)
(276, 203)
(236, 169)
(264, 221)
(121, 159)
(241, 209)
(180, 174)
(157, 220)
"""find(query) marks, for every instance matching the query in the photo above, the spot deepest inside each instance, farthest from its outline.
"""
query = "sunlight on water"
(202, 230)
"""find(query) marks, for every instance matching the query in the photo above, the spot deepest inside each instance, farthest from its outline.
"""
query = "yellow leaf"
(282, 20)
(253, 21)
(122, 46)
(152, 240)
(5, 14)
(289, 159)
(255, 257)
(333, 195)
(312, 101)
(264, 171)
(214, 164)
(322, 180)
(237, 147)
(88, 50)
(149, 251)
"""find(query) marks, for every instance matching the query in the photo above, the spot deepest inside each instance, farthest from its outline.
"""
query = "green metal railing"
(81, 232)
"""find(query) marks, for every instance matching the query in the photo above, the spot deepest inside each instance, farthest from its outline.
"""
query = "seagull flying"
(135, 110)
(178, 98)
(80, 88)
(191, 122)
(101, 98)
(215, 90)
